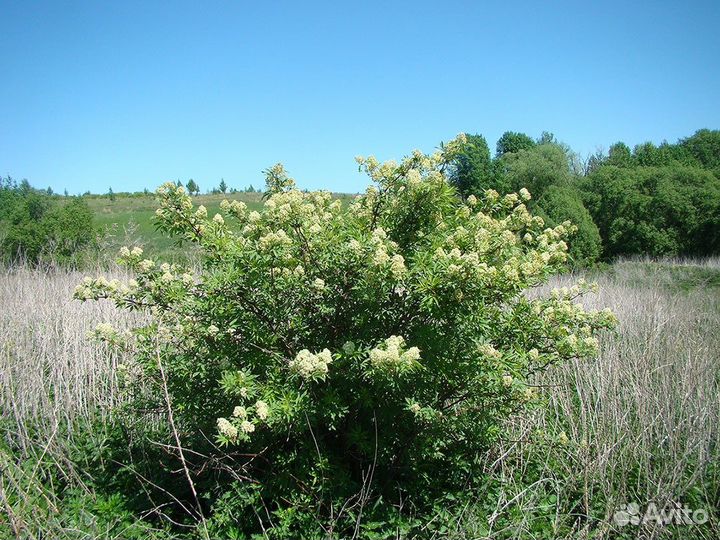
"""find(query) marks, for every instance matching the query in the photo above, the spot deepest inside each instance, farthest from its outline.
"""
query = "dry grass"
(49, 369)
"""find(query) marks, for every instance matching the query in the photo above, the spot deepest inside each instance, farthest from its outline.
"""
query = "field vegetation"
(640, 423)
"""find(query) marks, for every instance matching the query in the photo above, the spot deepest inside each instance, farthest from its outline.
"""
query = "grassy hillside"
(128, 220)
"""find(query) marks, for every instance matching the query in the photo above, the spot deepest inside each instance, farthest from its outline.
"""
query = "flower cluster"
(274, 239)
(107, 333)
(101, 287)
(243, 422)
(235, 208)
(311, 366)
(227, 429)
(392, 354)
(129, 254)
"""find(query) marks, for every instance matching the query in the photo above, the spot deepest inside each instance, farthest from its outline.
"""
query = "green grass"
(129, 220)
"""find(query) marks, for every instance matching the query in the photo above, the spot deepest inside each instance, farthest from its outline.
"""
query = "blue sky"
(131, 94)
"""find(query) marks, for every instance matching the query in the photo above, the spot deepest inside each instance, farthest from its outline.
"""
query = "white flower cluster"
(569, 293)
(127, 253)
(262, 410)
(236, 208)
(391, 353)
(105, 332)
(318, 284)
(385, 173)
(227, 429)
(311, 209)
(101, 287)
(240, 412)
(274, 239)
(397, 266)
(240, 425)
(213, 330)
(487, 349)
(309, 365)
(381, 257)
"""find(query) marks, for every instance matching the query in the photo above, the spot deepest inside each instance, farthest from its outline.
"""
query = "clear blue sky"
(130, 94)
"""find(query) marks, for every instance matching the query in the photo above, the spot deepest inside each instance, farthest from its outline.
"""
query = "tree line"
(652, 200)
(35, 224)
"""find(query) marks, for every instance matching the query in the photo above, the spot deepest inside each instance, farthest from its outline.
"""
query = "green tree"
(192, 187)
(70, 228)
(547, 138)
(564, 203)
(536, 169)
(472, 171)
(704, 146)
(594, 162)
(223, 186)
(511, 142)
(38, 226)
(620, 156)
(672, 210)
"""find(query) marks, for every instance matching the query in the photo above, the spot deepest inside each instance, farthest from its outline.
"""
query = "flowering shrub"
(346, 355)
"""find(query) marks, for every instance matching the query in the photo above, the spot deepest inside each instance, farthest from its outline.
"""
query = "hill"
(127, 219)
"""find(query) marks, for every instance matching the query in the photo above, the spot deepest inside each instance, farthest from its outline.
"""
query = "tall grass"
(50, 369)
(52, 380)
(641, 423)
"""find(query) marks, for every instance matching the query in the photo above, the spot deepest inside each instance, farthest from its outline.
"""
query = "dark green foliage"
(192, 187)
(649, 155)
(654, 200)
(704, 146)
(473, 169)
(673, 210)
(511, 141)
(34, 224)
(619, 155)
(536, 169)
(561, 203)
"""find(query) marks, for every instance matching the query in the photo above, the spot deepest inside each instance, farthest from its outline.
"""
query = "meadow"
(127, 219)
(638, 425)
